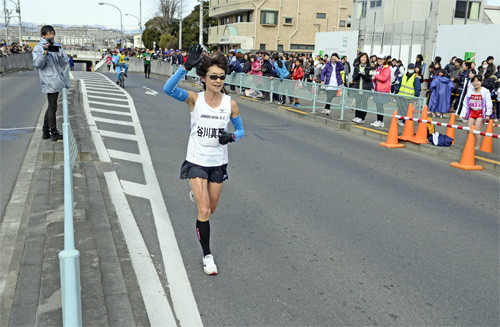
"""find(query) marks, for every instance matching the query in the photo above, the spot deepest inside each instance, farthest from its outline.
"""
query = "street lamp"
(121, 24)
(140, 31)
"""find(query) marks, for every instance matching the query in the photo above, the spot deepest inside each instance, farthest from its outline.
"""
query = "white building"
(405, 28)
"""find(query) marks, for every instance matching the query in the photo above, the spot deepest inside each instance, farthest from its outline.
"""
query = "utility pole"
(201, 23)
(180, 28)
(20, 25)
(6, 21)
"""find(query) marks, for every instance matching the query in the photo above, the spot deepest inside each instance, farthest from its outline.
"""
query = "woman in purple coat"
(439, 102)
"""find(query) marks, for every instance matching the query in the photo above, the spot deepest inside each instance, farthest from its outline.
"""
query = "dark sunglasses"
(215, 77)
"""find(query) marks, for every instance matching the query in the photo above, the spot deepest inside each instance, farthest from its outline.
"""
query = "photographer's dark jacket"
(51, 68)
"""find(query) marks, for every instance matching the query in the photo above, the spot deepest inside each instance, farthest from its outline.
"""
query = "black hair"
(276, 58)
(460, 61)
(467, 64)
(498, 67)
(47, 29)
(489, 58)
(477, 77)
(473, 71)
(419, 56)
(335, 55)
(218, 60)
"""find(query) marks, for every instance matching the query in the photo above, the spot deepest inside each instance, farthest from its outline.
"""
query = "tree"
(190, 27)
(151, 34)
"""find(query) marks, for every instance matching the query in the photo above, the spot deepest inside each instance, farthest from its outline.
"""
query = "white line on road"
(113, 112)
(112, 121)
(110, 90)
(184, 304)
(107, 98)
(106, 93)
(109, 104)
(16, 128)
(130, 137)
(154, 297)
(121, 155)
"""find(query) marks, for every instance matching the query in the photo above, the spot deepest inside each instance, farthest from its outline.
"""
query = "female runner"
(206, 159)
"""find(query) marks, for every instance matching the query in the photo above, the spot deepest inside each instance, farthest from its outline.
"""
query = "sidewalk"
(32, 292)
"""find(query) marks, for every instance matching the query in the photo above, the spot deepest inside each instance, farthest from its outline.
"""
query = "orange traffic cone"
(421, 135)
(487, 145)
(392, 137)
(468, 160)
(451, 131)
(408, 130)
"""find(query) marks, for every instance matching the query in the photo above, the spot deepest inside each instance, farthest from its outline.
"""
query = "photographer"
(50, 60)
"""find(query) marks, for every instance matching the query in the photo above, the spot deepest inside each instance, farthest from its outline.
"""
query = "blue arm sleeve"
(239, 132)
(171, 86)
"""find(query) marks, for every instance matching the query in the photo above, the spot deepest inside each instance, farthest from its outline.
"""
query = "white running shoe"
(191, 196)
(327, 112)
(355, 119)
(323, 111)
(360, 121)
(400, 123)
(209, 266)
(381, 124)
(375, 124)
(495, 120)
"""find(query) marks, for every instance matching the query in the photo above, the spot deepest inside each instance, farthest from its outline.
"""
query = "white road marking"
(16, 128)
(112, 121)
(154, 297)
(107, 93)
(107, 98)
(150, 91)
(113, 90)
(121, 155)
(184, 304)
(113, 112)
(130, 137)
(109, 104)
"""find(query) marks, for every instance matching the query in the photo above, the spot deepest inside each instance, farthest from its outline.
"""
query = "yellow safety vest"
(121, 60)
(407, 87)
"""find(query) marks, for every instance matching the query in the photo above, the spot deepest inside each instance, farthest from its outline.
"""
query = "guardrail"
(69, 258)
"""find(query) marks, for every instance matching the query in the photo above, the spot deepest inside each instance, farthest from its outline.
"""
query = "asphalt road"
(21, 101)
(322, 227)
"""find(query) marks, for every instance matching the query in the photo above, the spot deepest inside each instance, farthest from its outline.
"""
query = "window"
(287, 20)
(240, 18)
(227, 20)
(249, 17)
(280, 47)
(375, 3)
(222, 21)
(361, 9)
(268, 17)
(349, 19)
(473, 10)
(342, 23)
(320, 15)
(301, 47)
(262, 47)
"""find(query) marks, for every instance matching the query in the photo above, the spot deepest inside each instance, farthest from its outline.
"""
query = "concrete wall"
(137, 66)
(16, 62)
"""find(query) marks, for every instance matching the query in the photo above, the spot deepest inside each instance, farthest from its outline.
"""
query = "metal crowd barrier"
(69, 258)
(339, 98)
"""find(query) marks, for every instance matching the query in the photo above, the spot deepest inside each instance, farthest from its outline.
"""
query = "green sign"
(471, 56)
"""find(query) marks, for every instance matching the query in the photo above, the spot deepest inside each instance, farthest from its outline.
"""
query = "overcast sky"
(89, 12)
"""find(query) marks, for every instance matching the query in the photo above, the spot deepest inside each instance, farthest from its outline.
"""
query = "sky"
(89, 12)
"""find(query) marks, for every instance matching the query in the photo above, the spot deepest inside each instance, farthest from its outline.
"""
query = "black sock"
(203, 230)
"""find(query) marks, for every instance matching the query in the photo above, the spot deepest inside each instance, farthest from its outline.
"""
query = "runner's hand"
(225, 137)
(194, 57)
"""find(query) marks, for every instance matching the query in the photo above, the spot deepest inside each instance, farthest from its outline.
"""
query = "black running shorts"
(216, 174)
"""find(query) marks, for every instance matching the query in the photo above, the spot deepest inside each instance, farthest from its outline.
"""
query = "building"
(74, 35)
(275, 25)
(405, 28)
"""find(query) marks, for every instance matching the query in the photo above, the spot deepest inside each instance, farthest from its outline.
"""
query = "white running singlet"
(204, 148)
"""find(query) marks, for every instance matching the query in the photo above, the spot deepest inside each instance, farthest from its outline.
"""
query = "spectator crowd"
(447, 85)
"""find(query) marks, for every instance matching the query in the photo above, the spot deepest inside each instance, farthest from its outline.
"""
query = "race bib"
(475, 102)
(207, 130)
